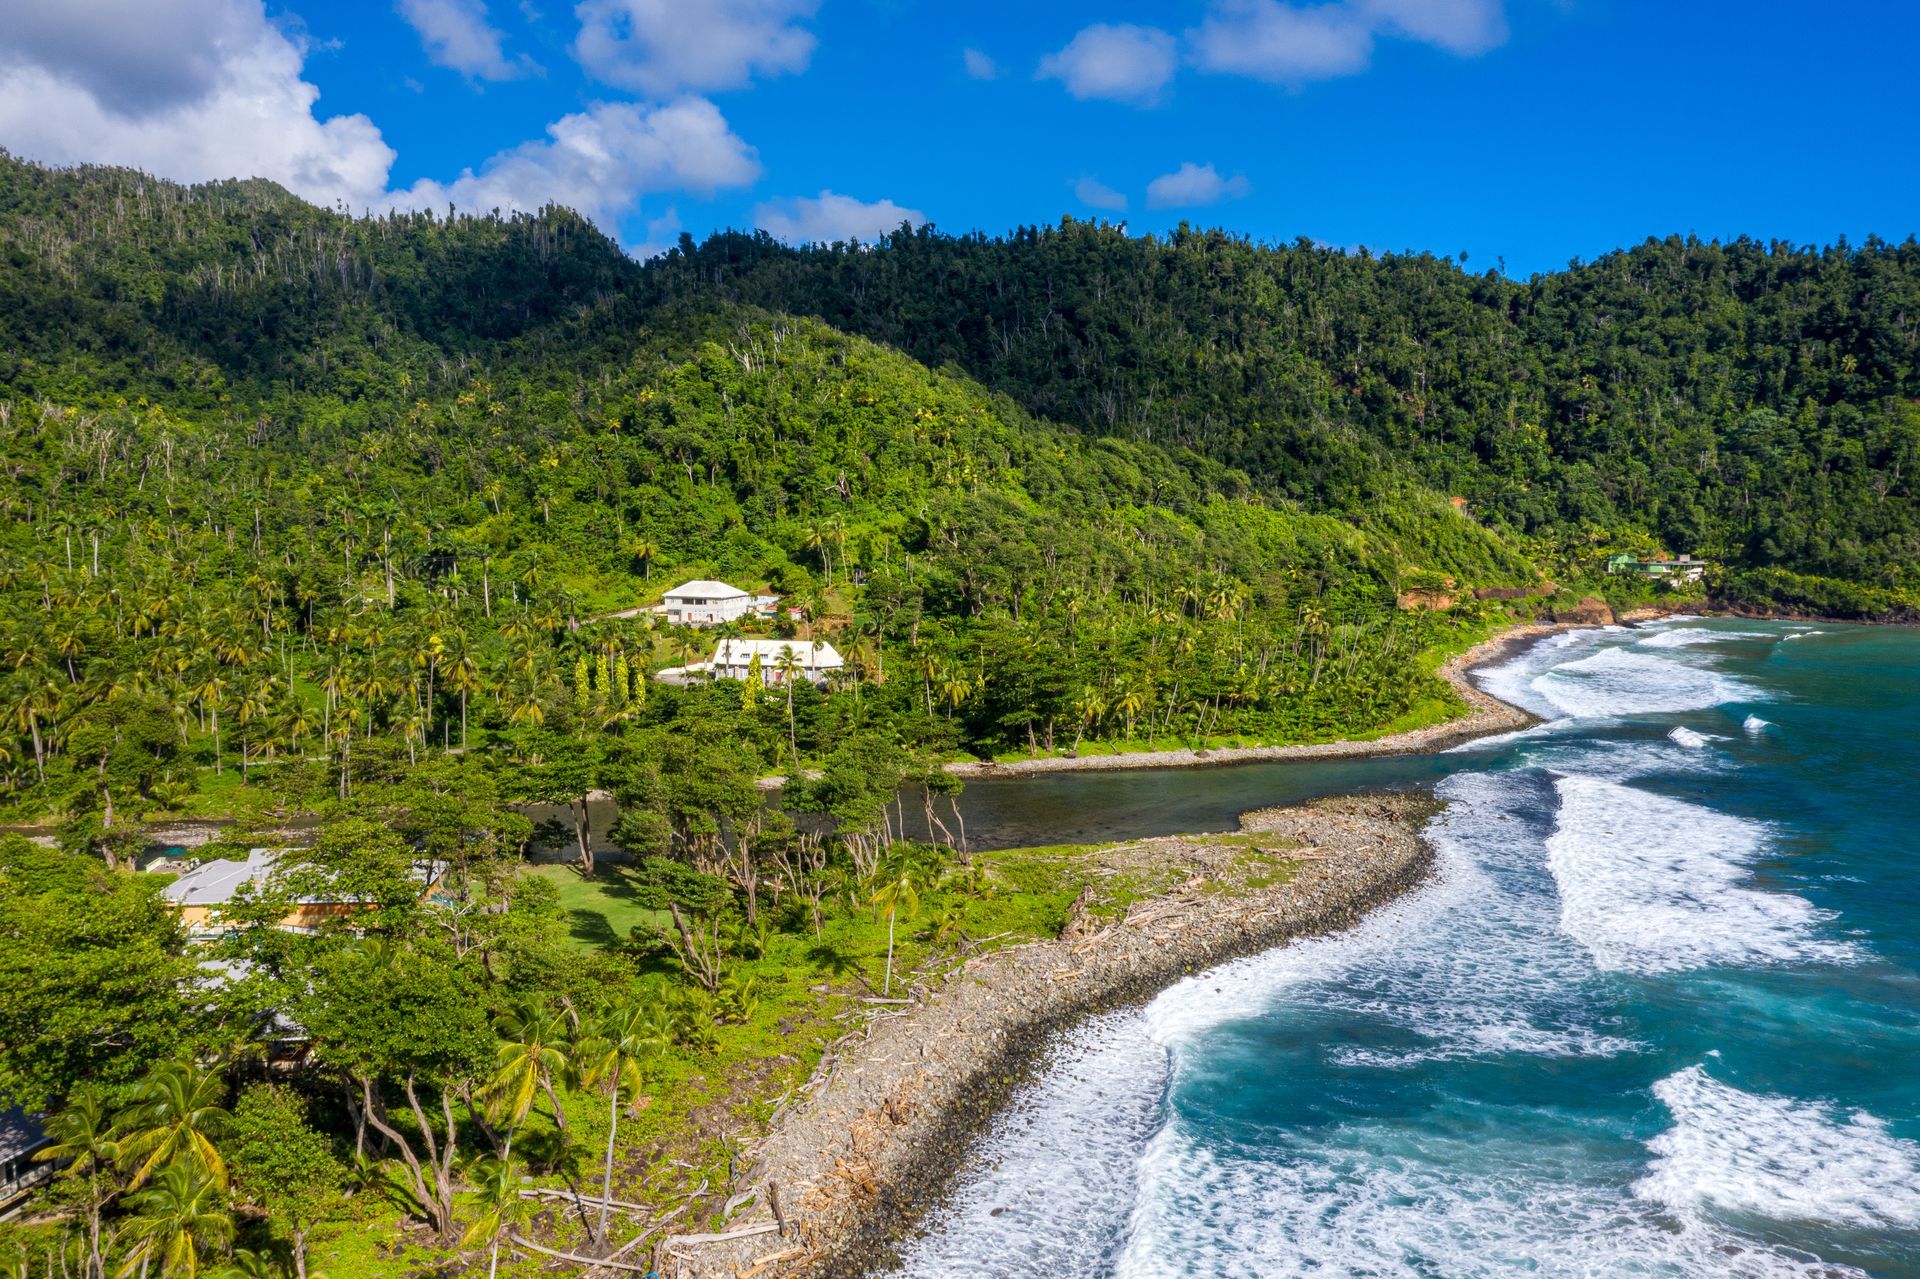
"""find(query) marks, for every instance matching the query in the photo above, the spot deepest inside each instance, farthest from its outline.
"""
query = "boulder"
(1591, 611)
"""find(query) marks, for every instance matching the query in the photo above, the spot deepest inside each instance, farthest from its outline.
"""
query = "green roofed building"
(1685, 568)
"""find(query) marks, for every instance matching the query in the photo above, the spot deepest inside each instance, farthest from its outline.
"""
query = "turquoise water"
(1658, 1013)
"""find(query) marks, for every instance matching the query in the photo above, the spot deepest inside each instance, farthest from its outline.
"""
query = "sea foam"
(1627, 681)
(1750, 1154)
(1365, 1200)
(1057, 1180)
(1687, 638)
(1650, 884)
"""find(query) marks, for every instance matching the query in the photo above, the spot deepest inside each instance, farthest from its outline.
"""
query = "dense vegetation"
(1754, 402)
(339, 528)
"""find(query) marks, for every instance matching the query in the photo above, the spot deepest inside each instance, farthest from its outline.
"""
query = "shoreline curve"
(1485, 716)
(884, 1129)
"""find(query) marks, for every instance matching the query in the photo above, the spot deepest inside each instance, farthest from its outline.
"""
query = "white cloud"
(130, 55)
(1465, 27)
(248, 113)
(188, 89)
(1289, 44)
(602, 161)
(830, 218)
(979, 65)
(1118, 63)
(1282, 44)
(456, 34)
(664, 47)
(1192, 185)
(1096, 194)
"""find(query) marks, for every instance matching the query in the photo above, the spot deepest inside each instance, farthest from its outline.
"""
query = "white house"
(733, 659)
(708, 603)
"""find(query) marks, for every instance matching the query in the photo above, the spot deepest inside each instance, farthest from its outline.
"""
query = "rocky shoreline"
(884, 1128)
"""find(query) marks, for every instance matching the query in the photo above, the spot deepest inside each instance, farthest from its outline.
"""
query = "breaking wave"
(1650, 884)
(1748, 1154)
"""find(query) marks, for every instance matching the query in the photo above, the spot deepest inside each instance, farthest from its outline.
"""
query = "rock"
(1590, 611)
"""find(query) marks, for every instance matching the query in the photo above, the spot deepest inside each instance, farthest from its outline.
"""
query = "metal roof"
(214, 883)
(810, 654)
(705, 589)
(20, 1134)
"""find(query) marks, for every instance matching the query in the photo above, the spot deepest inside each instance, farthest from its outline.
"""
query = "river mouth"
(1654, 1015)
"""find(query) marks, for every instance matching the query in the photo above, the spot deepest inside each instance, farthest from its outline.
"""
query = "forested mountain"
(1752, 401)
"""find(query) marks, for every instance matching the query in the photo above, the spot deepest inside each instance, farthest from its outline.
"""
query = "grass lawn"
(601, 910)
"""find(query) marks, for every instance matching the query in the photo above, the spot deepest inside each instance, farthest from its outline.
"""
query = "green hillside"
(1753, 402)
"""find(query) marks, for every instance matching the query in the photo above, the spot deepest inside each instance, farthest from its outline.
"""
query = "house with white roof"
(709, 603)
(733, 658)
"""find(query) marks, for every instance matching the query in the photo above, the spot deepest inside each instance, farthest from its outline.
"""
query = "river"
(1657, 1013)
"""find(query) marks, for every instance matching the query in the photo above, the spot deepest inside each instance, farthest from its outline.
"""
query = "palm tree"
(175, 1114)
(789, 669)
(496, 1192)
(818, 538)
(176, 1219)
(900, 891)
(1129, 701)
(463, 676)
(246, 1263)
(626, 1037)
(1090, 706)
(531, 1055)
(82, 1137)
(643, 550)
(210, 691)
(955, 687)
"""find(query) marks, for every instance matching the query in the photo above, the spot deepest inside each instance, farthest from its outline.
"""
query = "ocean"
(1657, 1013)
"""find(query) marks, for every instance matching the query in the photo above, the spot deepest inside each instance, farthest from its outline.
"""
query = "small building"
(733, 658)
(1684, 568)
(708, 603)
(21, 1138)
(203, 893)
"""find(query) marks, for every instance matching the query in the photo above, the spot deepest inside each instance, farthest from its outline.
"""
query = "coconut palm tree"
(1089, 706)
(532, 1054)
(630, 1034)
(177, 1219)
(496, 1193)
(789, 668)
(82, 1137)
(898, 892)
(645, 551)
(175, 1115)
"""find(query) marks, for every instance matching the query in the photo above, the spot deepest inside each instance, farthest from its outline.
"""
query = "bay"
(1657, 1013)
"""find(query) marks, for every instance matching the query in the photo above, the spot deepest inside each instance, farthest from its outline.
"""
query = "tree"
(281, 1165)
(623, 1040)
(496, 1193)
(80, 1136)
(699, 905)
(898, 892)
(531, 1056)
(95, 984)
(790, 669)
(175, 1116)
(411, 1020)
(177, 1219)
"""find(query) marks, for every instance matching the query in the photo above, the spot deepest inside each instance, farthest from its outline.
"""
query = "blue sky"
(1523, 132)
